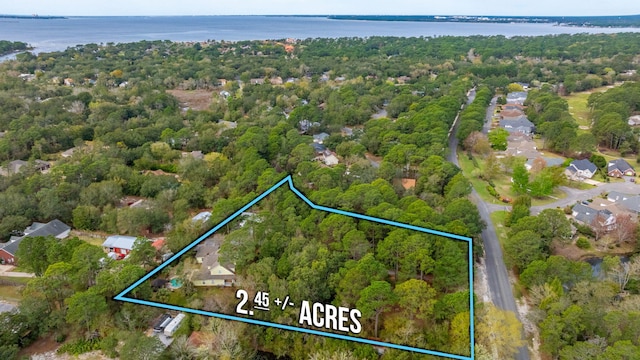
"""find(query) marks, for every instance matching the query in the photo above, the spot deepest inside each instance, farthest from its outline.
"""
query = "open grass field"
(578, 108)
(10, 293)
(502, 183)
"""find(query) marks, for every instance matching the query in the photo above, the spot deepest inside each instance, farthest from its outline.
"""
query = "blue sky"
(378, 7)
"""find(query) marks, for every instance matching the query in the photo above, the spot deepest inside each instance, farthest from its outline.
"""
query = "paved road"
(497, 276)
(489, 115)
(575, 195)
(6, 270)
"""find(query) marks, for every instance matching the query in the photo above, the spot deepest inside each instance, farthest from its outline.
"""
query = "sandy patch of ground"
(480, 283)
(193, 99)
(530, 330)
(52, 355)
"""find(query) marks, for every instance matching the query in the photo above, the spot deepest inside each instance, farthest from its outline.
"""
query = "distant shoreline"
(31, 17)
(580, 21)
(575, 21)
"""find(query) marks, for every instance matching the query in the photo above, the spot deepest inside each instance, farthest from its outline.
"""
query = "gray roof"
(583, 165)
(586, 214)
(322, 136)
(204, 216)
(616, 196)
(517, 95)
(632, 203)
(318, 147)
(119, 241)
(52, 228)
(620, 164)
(520, 124)
(208, 251)
(516, 117)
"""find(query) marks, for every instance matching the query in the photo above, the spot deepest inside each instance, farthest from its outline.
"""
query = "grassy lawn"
(480, 185)
(502, 183)
(17, 280)
(555, 196)
(10, 293)
(579, 185)
(89, 239)
(578, 108)
(498, 217)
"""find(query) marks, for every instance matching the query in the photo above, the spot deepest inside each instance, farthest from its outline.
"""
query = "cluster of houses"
(323, 154)
(603, 212)
(585, 169)
(116, 247)
(512, 116)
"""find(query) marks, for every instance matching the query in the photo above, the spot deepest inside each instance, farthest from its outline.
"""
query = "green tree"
(374, 300)
(12, 223)
(554, 225)
(85, 309)
(498, 139)
(143, 253)
(32, 253)
(101, 194)
(416, 298)
(523, 248)
(520, 179)
(86, 217)
(390, 250)
(138, 346)
(358, 276)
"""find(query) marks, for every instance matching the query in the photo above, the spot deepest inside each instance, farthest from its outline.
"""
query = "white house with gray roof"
(588, 215)
(581, 169)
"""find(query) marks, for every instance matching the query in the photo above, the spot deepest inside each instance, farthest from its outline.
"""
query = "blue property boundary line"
(289, 180)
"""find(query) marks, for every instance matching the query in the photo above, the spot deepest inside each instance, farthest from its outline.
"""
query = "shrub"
(108, 346)
(60, 338)
(583, 229)
(583, 243)
(80, 346)
(492, 191)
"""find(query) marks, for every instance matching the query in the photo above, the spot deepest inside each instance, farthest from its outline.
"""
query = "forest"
(7, 47)
(386, 104)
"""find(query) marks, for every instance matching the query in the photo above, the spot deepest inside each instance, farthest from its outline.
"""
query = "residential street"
(6, 270)
(575, 195)
(497, 276)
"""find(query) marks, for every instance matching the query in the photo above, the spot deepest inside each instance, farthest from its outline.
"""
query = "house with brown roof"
(212, 272)
(619, 168)
(511, 114)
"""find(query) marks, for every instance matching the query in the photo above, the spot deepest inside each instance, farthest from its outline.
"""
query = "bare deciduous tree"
(625, 271)
(625, 228)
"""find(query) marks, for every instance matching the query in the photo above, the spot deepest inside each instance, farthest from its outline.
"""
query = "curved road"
(575, 195)
(497, 276)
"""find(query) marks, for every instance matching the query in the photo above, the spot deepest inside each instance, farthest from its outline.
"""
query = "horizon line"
(35, 15)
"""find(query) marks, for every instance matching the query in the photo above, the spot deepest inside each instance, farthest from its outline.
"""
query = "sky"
(324, 7)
